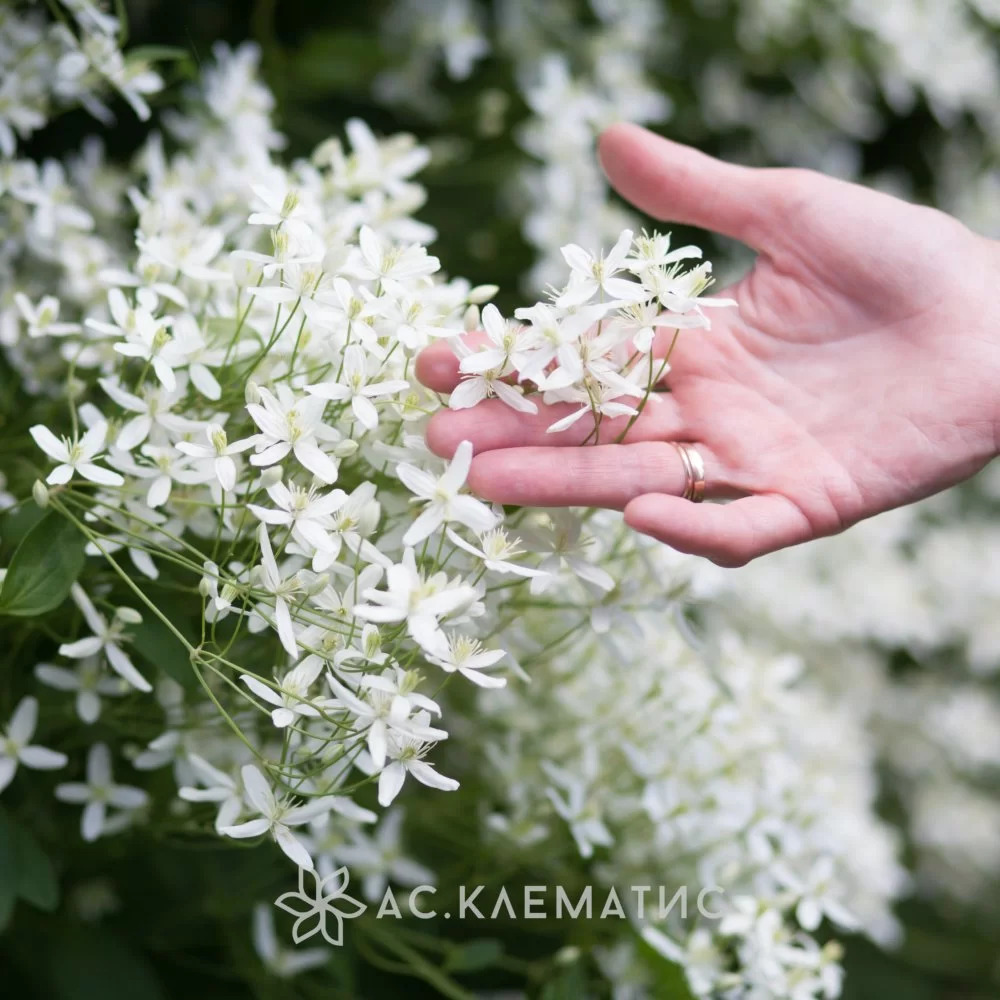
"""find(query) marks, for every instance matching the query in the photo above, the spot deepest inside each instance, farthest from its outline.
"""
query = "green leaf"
(36, 878)
(8, 870)
(474, 955)
(17, 523)
(160, 648)
(44, 567)
(25, 870)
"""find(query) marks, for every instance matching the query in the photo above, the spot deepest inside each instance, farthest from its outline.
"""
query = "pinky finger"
(729, 534)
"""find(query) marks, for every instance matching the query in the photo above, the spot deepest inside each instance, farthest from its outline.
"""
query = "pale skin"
(860, 372)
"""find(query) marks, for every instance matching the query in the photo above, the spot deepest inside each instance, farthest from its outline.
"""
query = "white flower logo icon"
(320, 900)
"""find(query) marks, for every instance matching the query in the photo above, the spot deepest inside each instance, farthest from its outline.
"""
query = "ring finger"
(598, 476)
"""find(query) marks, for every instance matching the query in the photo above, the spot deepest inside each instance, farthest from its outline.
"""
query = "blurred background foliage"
(170, 925)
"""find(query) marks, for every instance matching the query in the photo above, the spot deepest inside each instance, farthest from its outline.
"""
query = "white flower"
(219, 788)
(496, 550)
(220, 452)
(282, 962)
(89, 680)
(815, 895)
(393, 264)
(573, 803)
(276, 816)
(280, 589)
(149, 339)
(43, 319)
(380, 857)
(76, 456)
(306, 511)
(16, 747)
(353, 384)
(385, 708)
(701, 957)
(283, 206)
(568, 547)
(406, 755)
(484, 372)
(445, 501)
(292, 694)
(288, 425)
(98, 793)
(106, 639)
(153, 409)
(420, 603)
(469, 658)
(589, 274)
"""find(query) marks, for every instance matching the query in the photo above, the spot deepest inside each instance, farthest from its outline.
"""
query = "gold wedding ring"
(694, 471)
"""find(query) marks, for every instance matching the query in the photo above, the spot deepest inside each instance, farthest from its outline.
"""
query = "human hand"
(860, 372)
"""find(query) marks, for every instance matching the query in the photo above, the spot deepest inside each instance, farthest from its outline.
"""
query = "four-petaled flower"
(445, 501)
(76, 455)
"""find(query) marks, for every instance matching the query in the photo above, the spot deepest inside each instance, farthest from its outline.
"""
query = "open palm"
(860, 372)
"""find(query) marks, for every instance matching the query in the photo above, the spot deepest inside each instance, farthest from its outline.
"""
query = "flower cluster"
(595, 345)
(48, 66)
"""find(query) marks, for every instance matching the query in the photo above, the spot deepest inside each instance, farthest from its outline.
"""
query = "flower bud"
(40, 493)
(470, 320)
(483, 293)
(128, 615)
(251, 392)
(372, 642)
(345, 448)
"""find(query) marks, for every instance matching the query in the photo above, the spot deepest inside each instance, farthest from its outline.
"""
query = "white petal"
(364, 410)
(316, 461)
(43, 759)
(92, 821)
(253, 828)
(22, 723)
(96, 474)
(123, 666)
(426, 775)
(425, 525)
(257, 789)
(390, 781)
(82, 647)
(49, 443)
(293, 847)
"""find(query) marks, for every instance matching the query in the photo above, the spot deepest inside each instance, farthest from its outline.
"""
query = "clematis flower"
(356, 387)
(107, 638)
(445, 503)
(16, 746)
(292, 425)
(76, 455)
(275, 816)
(99, 792)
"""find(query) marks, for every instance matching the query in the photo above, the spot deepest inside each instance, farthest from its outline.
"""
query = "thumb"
(672, 181)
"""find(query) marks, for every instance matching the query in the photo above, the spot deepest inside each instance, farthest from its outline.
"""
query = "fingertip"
(437, 367)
